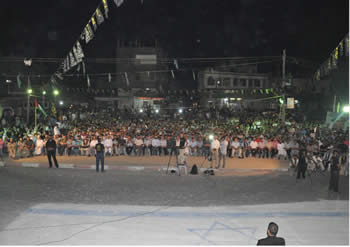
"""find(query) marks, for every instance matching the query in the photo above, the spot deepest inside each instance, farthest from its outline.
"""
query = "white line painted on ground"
(69, 166)
(30, 165)
(93, 167)
(2, 164)
(136, 168)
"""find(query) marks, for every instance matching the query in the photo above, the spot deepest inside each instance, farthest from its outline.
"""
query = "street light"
(157, 111)
(61, 102)
(180, 110)
(29, 91)
(141, 110)
(346, 108)
(56, 92)
(44, 92)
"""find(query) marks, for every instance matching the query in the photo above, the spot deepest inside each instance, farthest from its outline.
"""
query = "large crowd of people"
(259, 135)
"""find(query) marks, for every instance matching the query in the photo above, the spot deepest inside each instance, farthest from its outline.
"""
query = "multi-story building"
(219, 88)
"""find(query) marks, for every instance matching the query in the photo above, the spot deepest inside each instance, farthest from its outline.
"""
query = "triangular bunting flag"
(88, 81)
(109, 78)
(73, 62)
(118, 2)
(99, 16)
(94, 24)
(172, 74)
(42, 110)
(176, 64)
(19, 82)
(193, 75)
(105, 6)
(89, 35)
(127, 79)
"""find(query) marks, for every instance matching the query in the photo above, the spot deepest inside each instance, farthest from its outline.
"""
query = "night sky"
(184, 28)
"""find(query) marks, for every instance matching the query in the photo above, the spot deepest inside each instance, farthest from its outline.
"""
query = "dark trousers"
(53, 155)
(100, 157)
(129, 150)
(301, 170)
(334, 181)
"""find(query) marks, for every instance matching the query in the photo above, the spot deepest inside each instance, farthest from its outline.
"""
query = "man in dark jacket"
(51, 151)
(335, 168)
(272, 239)
(100, 150)
(302, 165)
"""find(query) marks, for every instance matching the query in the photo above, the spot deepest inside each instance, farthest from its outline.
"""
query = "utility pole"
(28, 63)
(283, 105)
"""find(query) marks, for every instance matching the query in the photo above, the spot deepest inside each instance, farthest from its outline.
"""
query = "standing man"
(335, 168)
(223, 152)
(100, 148)
(272, 239)
(51, 151)
(214, 146)
(302, 165)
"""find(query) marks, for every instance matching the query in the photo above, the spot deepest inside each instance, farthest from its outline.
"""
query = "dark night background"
(188, 28)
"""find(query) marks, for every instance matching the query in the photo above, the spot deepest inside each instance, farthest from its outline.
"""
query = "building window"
(256, 83)
(235, 82)
(226, 82)
(210, 82)
(243, 82)
(250, 83)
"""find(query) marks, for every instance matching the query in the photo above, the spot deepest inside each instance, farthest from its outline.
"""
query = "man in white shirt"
(108, 143)
(236, 148)
(281, 150)
(148, 145)
(214, 148)
(92, 146)
(193, 146)
(139, 146)
(223, 152)
(155, 145)
(39, 146)
(253, 147)
(163, 146)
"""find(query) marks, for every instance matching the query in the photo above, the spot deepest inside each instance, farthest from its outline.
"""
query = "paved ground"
(75, 206)
(151, 163)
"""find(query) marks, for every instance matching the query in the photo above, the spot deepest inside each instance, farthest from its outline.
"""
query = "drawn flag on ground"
(99, 17)
(105, 6)
(118, 2)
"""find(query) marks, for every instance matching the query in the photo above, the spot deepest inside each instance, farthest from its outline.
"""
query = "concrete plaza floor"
(41, 206)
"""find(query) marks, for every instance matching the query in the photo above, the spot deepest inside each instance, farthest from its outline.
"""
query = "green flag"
(42, 110)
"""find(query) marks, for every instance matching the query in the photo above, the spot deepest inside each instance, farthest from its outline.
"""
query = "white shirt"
(253, 144)
(56, 130)
(163, 143)
(235, 144)
(215, 144)
(193, 144)
(93, 143)
(108, 142)
(223, 147)
(139, 142)
(155, 143)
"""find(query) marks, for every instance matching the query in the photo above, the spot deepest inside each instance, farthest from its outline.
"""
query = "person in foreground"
(272, 239)
(100, 149)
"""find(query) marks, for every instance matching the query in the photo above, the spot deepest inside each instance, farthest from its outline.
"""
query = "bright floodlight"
(239, 98)
(56, 92)
(180, 110)
(61, 102)
(141, 110)
(157, 110)
(29, 91)
(44, 92)
(211, 137)
(346, 109)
